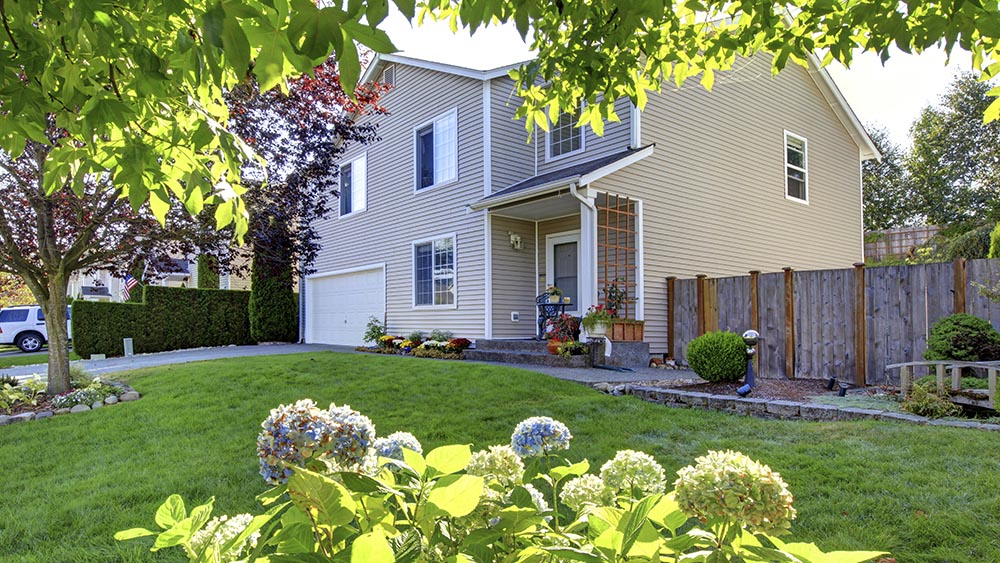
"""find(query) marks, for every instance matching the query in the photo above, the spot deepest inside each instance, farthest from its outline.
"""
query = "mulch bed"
(800, 390)
(44, 404)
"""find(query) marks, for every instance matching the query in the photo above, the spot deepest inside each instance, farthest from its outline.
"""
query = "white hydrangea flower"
(392, 445)
(499, 462)
(629, 469)
(220, 530)
(583, 490)
(537, 498)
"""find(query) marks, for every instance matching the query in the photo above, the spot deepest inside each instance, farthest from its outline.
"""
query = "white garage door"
(338, 306)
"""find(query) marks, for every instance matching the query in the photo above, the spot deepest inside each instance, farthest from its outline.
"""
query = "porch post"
(588, 256)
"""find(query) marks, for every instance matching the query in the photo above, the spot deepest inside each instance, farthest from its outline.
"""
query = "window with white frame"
(354, 186)
(796, 167)
(434, 272)
(565, 137)
(437, 151)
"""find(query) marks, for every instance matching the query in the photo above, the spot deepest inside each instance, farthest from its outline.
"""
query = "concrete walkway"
(111, 365)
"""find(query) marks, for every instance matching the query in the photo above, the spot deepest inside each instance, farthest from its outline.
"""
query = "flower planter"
(598, 330)
(554, 345)
(627, 331)
(554, 298)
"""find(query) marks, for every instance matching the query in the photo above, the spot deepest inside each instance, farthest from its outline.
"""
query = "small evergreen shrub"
(374, 330)
(441, 335)
(274, 307)
(718, 356)
(963, 338)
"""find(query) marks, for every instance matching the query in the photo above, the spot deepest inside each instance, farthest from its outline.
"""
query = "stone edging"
(129, 395)
(777, 409)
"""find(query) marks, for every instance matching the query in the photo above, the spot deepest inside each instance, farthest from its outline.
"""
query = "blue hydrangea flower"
(351, 437)
(291, 434)
(392, 445)
(539, 435)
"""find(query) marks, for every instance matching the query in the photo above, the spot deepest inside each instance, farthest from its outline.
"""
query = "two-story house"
(454, 221)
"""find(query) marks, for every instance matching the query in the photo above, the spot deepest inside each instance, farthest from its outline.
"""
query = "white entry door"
(338, 306)
(562, 260)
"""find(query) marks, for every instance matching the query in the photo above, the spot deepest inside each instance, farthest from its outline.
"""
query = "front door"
(563, 259)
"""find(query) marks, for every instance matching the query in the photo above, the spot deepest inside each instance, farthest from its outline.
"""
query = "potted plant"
(562, 329)
(597, 320)
(555, 294)
(621, 329)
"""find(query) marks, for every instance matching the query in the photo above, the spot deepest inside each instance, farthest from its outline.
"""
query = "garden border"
(765, 408)
(128, 395)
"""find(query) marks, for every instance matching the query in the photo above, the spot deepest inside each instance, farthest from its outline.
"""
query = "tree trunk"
(55, 322)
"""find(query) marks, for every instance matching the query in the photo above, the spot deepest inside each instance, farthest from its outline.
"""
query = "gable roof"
(580, 174)
(824, 82)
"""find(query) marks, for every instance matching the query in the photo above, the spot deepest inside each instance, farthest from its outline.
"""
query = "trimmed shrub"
(718, 356)
(995, 242)
(274, 307)
(169, 318)
(208, 274)
(963, 338)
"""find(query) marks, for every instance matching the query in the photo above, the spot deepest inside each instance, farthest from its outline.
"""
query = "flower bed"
(450, 349)
(26, 400)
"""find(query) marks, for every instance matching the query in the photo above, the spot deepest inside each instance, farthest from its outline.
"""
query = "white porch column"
(588, 256)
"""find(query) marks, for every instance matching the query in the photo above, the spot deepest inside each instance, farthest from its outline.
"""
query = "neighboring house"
(453, 221)
(103, 285)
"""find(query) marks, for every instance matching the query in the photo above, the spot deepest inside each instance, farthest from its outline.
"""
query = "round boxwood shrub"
(718, 356)
(963, 338)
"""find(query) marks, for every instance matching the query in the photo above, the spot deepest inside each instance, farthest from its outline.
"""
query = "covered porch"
(560, 230)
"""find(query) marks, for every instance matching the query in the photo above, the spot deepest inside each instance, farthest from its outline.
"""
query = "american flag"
(130, 282)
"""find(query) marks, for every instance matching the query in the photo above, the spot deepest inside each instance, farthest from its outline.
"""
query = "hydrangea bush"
(519, 502)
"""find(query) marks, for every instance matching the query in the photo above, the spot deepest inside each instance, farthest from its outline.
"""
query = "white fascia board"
(616, 166)
(376, 266)
(450, 69)
(842, 109)
(525, 194)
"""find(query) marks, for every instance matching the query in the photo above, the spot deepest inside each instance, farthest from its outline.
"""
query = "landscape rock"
(722, 402)
(23, 417)
(43, 414)
(4, 420)
(695, 399)
(110, 400)
(62, 411)
(904, 416)
(97, 404)
(817, 411)
(129, 396)
(783, 409)
(751, 405)
(850, 413)
(79, 408)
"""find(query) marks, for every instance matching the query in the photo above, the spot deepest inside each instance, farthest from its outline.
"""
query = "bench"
(941, 367)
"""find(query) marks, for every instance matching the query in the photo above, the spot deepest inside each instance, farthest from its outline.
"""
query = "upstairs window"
(437, 151)
(354, 186)
(434, 272)
(565, 137)
(796, 168)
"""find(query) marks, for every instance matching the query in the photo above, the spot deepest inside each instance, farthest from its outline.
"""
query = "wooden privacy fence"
(849, 323)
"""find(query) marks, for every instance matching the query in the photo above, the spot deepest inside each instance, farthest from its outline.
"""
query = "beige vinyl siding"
(617, 137)
(553, 227)
(513, 278)
(714, 190)
(396, 217)
(513, 154)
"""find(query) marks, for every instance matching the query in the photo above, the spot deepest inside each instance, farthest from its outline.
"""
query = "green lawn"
(926, 494)
(29, 360)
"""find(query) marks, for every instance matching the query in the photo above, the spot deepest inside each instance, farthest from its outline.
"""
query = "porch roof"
(581, 174)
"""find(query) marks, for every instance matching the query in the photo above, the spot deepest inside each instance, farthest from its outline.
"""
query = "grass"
(926, 494)
(859, 402)
(30, 360)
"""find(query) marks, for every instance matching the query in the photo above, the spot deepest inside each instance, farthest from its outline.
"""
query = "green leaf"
(235, 44)
(371, 548)
(294, 538)
(414, 461)
(372, 37)
(133, 533)
(561, 472)
(449, 459)
(170, 512)
(347, 63)
(407, 7)
(637, 522)
(571, 554)
(455, 495)
(327, 500)
(813, 554)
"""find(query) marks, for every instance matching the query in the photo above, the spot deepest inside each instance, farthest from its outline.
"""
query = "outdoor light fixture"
(750, 338)
(515, 240)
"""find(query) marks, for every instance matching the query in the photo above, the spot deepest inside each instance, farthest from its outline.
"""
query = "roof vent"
(389, 75)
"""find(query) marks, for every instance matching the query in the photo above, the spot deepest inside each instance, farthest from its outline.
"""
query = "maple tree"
(13, 291)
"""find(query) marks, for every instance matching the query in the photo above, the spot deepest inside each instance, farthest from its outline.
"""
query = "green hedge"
(168, 318)
(274, 307)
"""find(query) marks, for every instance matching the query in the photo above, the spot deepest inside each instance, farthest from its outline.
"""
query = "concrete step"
(526, 357)
(512, 345)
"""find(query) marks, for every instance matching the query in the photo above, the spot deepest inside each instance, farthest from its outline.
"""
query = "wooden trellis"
(616, 250)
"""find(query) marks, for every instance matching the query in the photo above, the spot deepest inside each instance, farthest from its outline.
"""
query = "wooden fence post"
(755, 312)
(958, 286)
(789, 322)
(702, 313)
(860, 327)
(671, 295)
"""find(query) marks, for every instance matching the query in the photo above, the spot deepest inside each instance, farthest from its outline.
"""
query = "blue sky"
(892, 96)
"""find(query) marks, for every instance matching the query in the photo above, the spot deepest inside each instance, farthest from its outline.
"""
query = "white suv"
(24, 326)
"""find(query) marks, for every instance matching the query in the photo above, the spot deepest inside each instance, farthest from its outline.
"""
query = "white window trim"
(416, 153)
(805, 169)
(548, 144)
(550, 266)
(361, 157)
(413, 270)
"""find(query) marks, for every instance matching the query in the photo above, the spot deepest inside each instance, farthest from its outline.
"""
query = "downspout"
(583, 200)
